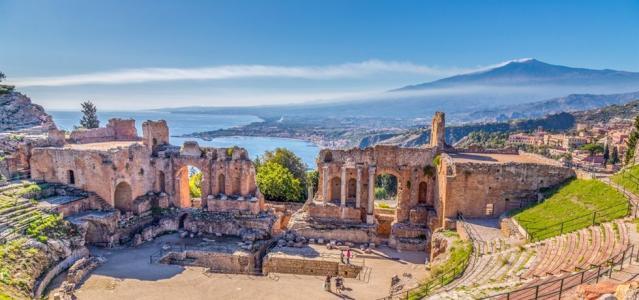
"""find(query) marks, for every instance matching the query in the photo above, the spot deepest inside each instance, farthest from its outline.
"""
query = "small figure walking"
(341, 255)
(339, 284)
(327, 283)
(348, 256)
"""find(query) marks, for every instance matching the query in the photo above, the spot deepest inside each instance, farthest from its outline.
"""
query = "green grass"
(629, 179)
(446, 271)
(574, 204)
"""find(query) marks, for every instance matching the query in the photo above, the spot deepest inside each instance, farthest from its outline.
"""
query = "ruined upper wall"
(115, 130)
(380, 155)
(155, 133)
(487, 185)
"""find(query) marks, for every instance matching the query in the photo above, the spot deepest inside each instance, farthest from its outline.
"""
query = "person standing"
(327, 283)
(348, 256)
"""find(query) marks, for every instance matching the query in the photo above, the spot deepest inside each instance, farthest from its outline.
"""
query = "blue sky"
(147, 54)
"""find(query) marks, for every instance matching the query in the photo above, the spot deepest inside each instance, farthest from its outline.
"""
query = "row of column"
(344, 185)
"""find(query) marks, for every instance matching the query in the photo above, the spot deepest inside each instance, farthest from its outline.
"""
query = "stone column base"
(370, 219)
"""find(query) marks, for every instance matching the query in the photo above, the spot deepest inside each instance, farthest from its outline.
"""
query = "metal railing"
(558, 287)
(442, 279)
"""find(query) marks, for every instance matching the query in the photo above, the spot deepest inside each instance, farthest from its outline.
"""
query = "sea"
(180, 124)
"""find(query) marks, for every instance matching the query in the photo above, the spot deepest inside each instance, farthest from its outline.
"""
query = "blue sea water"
(180, 124)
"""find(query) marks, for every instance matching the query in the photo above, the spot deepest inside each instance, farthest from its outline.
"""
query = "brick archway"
(122, 197)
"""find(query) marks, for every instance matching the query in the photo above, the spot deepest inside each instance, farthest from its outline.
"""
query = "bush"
(380, 193)
(290, 161)
(195, 185)
(277, 183)
(437, 160)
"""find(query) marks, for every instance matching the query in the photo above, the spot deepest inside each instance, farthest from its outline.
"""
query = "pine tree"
(606, 154)
(89, 116)
(2, 76)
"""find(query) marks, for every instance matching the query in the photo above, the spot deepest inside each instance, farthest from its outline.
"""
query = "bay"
(180, 124)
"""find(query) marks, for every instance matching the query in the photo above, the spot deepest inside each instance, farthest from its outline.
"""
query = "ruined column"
(325, 183)
(343, 186)
(358, 188)
(438, 131)
(371, 195)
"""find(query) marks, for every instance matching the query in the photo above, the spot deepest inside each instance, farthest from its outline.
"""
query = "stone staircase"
(532, 264)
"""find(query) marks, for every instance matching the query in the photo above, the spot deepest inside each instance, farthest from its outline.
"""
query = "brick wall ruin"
(487, 190)
(121, 172)
(115, 130)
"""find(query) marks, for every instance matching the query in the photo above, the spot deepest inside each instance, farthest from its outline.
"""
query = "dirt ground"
(129, 275)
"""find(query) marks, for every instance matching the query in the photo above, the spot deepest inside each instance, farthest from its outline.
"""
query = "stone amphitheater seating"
(15, 216)
(532, 264)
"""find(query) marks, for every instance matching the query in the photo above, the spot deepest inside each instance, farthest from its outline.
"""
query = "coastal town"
(598, 147)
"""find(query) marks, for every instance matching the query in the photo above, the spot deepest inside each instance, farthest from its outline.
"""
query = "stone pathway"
(129, 275)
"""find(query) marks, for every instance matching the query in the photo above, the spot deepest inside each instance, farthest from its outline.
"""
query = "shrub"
(437, 160)
(277, 183)
(195, 185)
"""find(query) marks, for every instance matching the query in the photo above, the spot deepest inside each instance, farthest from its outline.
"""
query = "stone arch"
(182, 177)
(394, 177)
(336, 189)
(422, 194)
(351, 192)
(122, 197)
(221, 184)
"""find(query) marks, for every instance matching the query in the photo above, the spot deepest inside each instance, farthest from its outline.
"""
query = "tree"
(592, 148)
(287, 159)
(606, 154)
(632, 142)
(277, 183)
(2, 76)
(387, 183)
(312, 179)
(89, 116)
(195, 185)
(614, 157)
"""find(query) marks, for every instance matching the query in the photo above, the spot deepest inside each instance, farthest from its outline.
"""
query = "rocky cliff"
(18, 112)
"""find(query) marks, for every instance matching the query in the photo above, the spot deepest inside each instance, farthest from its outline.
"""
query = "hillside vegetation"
(625, 111)
(629, 179)
(574, 204)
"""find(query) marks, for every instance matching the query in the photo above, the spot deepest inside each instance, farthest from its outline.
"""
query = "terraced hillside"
(31, 240)
(573, 206)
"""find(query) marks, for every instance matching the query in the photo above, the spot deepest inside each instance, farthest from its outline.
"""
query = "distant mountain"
(508, 84)
(531, 72)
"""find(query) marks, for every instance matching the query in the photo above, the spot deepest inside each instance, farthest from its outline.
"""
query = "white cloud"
(347, 70)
